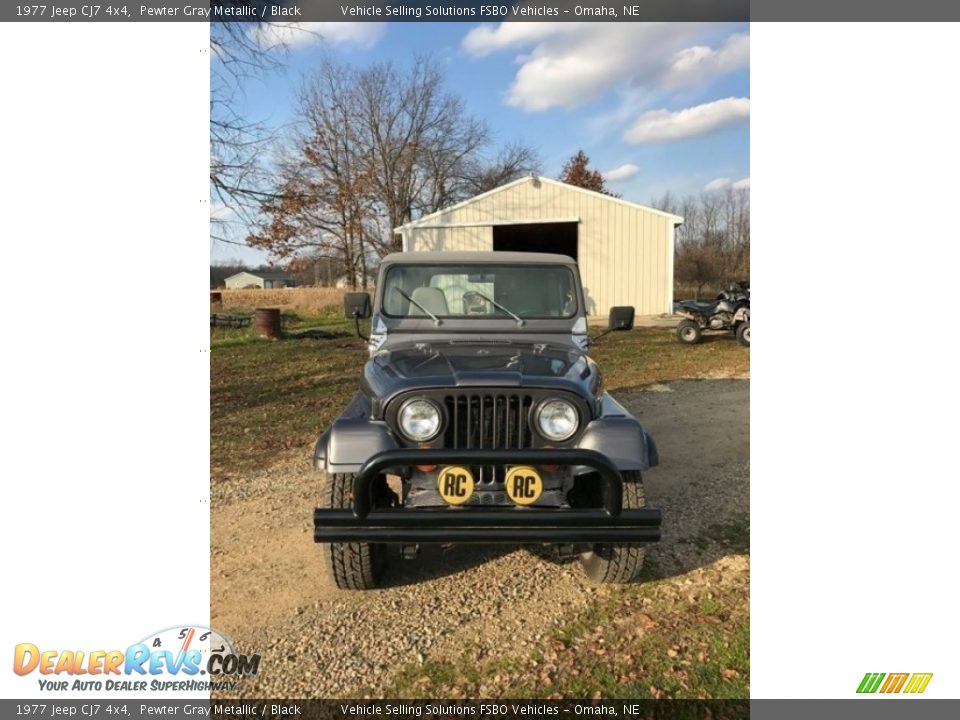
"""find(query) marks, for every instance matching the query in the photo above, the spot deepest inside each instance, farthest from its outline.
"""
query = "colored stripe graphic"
(918, 683)
(870, 682)
(895, 682)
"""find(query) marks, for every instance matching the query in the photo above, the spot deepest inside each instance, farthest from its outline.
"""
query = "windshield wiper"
(520, 320)
(409, 299)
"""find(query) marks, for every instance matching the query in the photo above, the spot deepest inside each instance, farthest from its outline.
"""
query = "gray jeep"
(481, 419)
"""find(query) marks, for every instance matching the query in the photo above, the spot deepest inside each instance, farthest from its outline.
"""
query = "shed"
(624, 250)
(259, 279)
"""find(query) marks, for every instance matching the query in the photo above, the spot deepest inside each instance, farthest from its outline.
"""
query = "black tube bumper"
(472, 524)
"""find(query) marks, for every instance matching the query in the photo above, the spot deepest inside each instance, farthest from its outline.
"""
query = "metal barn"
(625, 250)
(258, 279)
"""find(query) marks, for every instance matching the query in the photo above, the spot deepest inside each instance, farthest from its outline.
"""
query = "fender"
(619, 436)
(347, 444)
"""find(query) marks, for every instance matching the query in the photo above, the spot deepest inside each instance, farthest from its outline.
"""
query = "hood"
(504, 364)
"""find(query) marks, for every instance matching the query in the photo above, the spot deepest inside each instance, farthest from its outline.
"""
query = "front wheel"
(618, 562)
(351, 566)
(743, 334)
(688, 332)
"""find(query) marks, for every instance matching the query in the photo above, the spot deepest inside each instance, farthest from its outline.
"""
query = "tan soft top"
(419, 258)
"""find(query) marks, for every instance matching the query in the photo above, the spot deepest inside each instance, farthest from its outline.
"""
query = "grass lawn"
(268, 398)
(644, 641)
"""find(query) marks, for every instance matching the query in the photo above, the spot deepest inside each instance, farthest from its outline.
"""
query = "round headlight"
(419, 420)
(557, 420)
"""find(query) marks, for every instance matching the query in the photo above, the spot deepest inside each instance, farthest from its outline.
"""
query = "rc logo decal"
(523, 485)
(455, 484)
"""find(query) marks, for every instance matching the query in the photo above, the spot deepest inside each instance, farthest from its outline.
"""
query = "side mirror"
(356, 305)
(621, 318)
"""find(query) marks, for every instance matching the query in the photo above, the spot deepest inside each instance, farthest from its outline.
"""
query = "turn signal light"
(426, 468)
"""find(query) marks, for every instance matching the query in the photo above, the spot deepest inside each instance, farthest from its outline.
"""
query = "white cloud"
(486, 39)
(663, 125)
(571, 64)
(718, 184)
(624, 172)
(725, 183)
(296, 35)
(700, 63)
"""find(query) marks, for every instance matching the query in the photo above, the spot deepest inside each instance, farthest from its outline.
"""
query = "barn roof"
(426, 220)
(264, 275)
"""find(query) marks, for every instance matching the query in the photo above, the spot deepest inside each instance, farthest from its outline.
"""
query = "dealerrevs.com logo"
(911, 683)
(182, 659)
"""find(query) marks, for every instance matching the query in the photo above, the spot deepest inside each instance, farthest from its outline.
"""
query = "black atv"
(730, 312)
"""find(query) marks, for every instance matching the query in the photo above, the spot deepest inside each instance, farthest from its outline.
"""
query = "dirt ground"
(270, 594)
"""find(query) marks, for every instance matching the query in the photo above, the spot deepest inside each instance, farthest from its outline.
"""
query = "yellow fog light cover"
(523, 485)
(455, 484)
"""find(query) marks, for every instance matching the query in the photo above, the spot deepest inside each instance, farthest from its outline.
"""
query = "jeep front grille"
(495, 421)
(487, 418)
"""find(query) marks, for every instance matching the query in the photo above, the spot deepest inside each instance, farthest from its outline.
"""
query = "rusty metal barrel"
(267, 322)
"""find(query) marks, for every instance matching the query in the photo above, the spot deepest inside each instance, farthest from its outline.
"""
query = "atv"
(725, 314)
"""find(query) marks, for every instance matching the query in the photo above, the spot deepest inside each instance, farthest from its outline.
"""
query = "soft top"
(419, 258)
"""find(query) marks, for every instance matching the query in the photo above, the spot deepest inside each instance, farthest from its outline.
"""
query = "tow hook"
(409, 552)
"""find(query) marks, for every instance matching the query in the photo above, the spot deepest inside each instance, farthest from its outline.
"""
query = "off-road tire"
(743, 334)
(688, 332)
(618, 563)
(351, 566)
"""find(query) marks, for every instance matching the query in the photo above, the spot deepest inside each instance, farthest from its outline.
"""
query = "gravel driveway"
(269, 592)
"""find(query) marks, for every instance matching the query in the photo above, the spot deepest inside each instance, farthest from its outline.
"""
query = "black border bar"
(474, 11)
(95, 707)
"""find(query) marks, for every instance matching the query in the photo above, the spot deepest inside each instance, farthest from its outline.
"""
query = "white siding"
(242, 280)
(625, 251)
(473, 239)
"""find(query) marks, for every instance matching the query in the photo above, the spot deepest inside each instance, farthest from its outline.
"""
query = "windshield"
(480, 291)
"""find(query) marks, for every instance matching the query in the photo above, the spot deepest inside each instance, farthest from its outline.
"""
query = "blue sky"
(656, 106)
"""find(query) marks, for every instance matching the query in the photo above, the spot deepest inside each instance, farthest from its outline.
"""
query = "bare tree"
(736, 212)
(713, 244)
(511, 162)
(420, 135)
(375, 148)
(235, 141)
(239, 181)
(325, 207)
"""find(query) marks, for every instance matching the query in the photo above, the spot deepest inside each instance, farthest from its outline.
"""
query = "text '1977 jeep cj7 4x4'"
(481, 405)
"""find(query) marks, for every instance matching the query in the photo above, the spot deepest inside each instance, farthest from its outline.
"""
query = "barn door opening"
(537, 237)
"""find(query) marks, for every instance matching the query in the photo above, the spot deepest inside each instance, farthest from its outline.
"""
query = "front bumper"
(364, 523)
